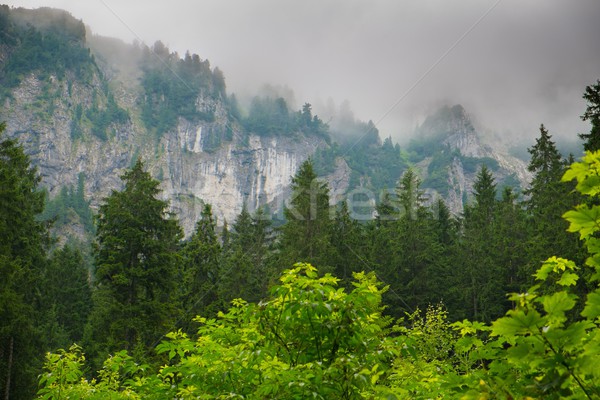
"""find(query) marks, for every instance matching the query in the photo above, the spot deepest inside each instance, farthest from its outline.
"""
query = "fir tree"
(201, 256)
(415, 249)
(136, 257)
(592, 114)
(477, 282)
(348, 242)
(22, 261)
(306, 235)
(549, 197)
(68, 292)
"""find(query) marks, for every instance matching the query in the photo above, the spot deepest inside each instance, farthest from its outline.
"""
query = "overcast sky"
(513, 64)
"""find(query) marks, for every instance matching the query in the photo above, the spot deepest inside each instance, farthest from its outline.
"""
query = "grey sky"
(526, 62)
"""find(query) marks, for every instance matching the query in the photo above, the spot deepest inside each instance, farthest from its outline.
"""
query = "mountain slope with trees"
(413, 299)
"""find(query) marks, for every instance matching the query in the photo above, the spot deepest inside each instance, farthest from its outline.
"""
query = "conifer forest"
(109, 291)
(501, 301)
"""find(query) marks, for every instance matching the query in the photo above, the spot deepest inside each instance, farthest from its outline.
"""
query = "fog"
(513, 64)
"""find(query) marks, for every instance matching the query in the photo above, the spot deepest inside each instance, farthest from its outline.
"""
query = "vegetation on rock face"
(272, 117)
(53, 49)
(171, 86)
(70, 206)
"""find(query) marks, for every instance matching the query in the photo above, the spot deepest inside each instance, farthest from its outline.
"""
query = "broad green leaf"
(590, 185)
(557, 304)
(584, 220)
(577, 171)
(592, 305)
(568, 279)
(517, 323)
(554, 264)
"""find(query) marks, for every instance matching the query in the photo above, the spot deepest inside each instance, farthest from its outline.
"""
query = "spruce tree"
(306, 235)
(136, 256)
(68, 292)
(510, 241)
(548, 198)
(22, 267)
(348, 242)
(201, 257)
(244, 268)
(478, 281)
(592, 114)
(416, 250)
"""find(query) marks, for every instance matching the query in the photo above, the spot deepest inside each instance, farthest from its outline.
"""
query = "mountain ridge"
(98, 115)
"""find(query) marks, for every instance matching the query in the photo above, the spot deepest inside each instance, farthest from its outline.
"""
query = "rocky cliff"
(454, 152)
(50, 114)
(89, 106)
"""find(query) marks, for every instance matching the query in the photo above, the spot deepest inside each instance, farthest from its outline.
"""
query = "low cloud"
(521, 64)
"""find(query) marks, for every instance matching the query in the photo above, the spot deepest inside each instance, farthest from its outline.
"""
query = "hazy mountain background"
(512, 64)
(443, 97)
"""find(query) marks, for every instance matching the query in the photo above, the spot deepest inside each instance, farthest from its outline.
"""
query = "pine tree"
(201, 257)
(477, 280)
(348, 242)
(306, 235)
(546, 187)
(416, 250)
(22, 264)
(510, 241)
(136, 258)
(244, 269)
(68, 292)
(549, 197)
(592, 114)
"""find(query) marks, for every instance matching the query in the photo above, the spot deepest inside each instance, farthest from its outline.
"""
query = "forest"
(501, 301)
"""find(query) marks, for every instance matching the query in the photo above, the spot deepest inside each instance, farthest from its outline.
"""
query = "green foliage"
(172, 85)
(102, 118)
(272, 117)
(70, 206)
(52, 50)
(309, 339)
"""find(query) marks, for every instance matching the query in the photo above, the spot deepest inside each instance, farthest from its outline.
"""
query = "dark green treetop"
(136, 257)
(592, 114)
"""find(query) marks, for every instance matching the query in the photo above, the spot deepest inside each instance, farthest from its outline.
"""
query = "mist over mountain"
(512, 64)
(87, 106)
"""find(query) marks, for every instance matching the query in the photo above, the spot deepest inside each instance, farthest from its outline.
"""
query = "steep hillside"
(449, 152)
(86, 107)
(88, 116)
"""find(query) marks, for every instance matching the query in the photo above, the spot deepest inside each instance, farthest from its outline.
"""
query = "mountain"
(449, 151)
(89, 105)
(86, 107)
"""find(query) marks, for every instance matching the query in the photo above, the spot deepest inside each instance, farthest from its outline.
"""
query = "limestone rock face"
(208, 158)
(257, 170)
(453, 127)
(257, 173)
